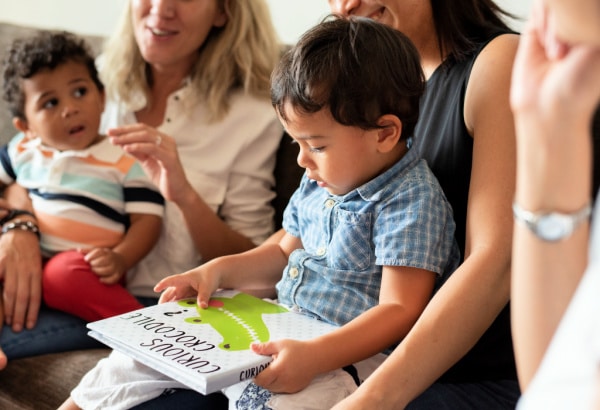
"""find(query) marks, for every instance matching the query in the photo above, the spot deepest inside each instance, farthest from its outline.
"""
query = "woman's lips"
(160, 32)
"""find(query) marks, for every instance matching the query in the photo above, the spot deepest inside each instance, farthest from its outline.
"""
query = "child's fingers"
(265, 349)
(169, 281)
(203, 297)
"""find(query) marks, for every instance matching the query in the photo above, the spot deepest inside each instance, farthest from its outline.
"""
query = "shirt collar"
(139, 100)
(102, 150)
(373, 189)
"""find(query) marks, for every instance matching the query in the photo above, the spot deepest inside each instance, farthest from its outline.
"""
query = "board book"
(205, 349)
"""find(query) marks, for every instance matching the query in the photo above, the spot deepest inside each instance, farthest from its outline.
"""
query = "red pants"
(70, 285)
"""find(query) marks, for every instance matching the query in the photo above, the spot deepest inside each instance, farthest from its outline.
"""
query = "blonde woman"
(187, 87)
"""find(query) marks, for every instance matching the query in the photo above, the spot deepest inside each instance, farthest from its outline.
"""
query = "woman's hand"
(553, 78)
(20, 268)
(555, 90)
(21, 278)
(157, 152)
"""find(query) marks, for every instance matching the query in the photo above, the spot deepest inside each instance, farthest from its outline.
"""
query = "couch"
(44, 382)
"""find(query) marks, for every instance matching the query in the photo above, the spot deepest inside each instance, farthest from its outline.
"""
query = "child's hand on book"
(292, 369)
(199, 282)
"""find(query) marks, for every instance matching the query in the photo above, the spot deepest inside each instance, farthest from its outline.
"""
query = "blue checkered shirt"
(399, 218)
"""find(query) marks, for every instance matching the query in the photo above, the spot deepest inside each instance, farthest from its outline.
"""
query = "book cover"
(205, 349)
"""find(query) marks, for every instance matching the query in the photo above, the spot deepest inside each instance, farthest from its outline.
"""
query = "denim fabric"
(54, 332)
(254, 398)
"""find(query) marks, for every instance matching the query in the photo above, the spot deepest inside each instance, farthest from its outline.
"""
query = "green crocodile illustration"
(238, 320)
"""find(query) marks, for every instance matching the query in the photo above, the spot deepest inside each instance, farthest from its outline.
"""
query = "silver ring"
(158, 139)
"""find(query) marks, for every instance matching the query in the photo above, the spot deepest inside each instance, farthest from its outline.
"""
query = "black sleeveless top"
(441, 137)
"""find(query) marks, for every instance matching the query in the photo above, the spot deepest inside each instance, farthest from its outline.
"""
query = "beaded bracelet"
(13, 213)
(22, 225)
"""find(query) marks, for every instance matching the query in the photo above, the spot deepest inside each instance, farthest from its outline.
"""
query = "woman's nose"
(163, 8)
(343, 7)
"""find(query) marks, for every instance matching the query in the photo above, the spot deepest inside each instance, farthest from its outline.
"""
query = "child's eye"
(80, 92)
(316, 149)
(51, 103)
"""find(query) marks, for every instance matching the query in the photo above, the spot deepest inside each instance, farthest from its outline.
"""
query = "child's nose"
(69, 109)
(303, 159)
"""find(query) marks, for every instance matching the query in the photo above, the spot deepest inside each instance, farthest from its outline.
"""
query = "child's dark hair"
(358, 68)
(44, 51)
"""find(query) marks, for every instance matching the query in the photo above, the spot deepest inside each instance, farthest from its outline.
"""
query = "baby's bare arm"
(111, 264)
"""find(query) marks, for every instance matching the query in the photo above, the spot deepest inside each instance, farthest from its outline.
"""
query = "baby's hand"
(200, 282)
(108, 265)
(293, 366)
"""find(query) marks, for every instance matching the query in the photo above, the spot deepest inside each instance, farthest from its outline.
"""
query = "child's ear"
(21, 125)
(389, 135)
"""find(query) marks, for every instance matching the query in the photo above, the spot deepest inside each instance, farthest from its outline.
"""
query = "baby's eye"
(80, 92)
(51, 103)
(316, 149)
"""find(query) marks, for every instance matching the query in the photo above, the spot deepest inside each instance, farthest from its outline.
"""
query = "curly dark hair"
(357, 68)
(45, 50)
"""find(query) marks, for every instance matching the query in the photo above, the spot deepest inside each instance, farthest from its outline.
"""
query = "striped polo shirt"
(81, 198)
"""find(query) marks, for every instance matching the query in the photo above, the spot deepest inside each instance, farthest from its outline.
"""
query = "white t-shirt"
(569, 375)
(230, 164)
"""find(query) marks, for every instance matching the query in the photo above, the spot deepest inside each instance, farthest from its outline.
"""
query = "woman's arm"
(555, 90)
(20, 268)
(465, 307)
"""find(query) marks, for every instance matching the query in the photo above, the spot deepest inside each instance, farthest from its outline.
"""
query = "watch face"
(554, 226)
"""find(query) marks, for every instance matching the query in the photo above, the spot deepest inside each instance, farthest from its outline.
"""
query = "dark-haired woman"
(459, 353)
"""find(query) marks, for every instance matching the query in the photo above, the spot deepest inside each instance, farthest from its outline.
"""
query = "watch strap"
(532, 220)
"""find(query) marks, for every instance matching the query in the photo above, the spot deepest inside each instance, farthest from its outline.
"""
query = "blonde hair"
(239, 55)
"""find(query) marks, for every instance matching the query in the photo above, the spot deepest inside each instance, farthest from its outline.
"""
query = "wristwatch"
(551, 226)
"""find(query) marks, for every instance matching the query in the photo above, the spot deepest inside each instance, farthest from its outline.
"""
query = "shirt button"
(293, 273)
(329, 203)
(321, 251)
